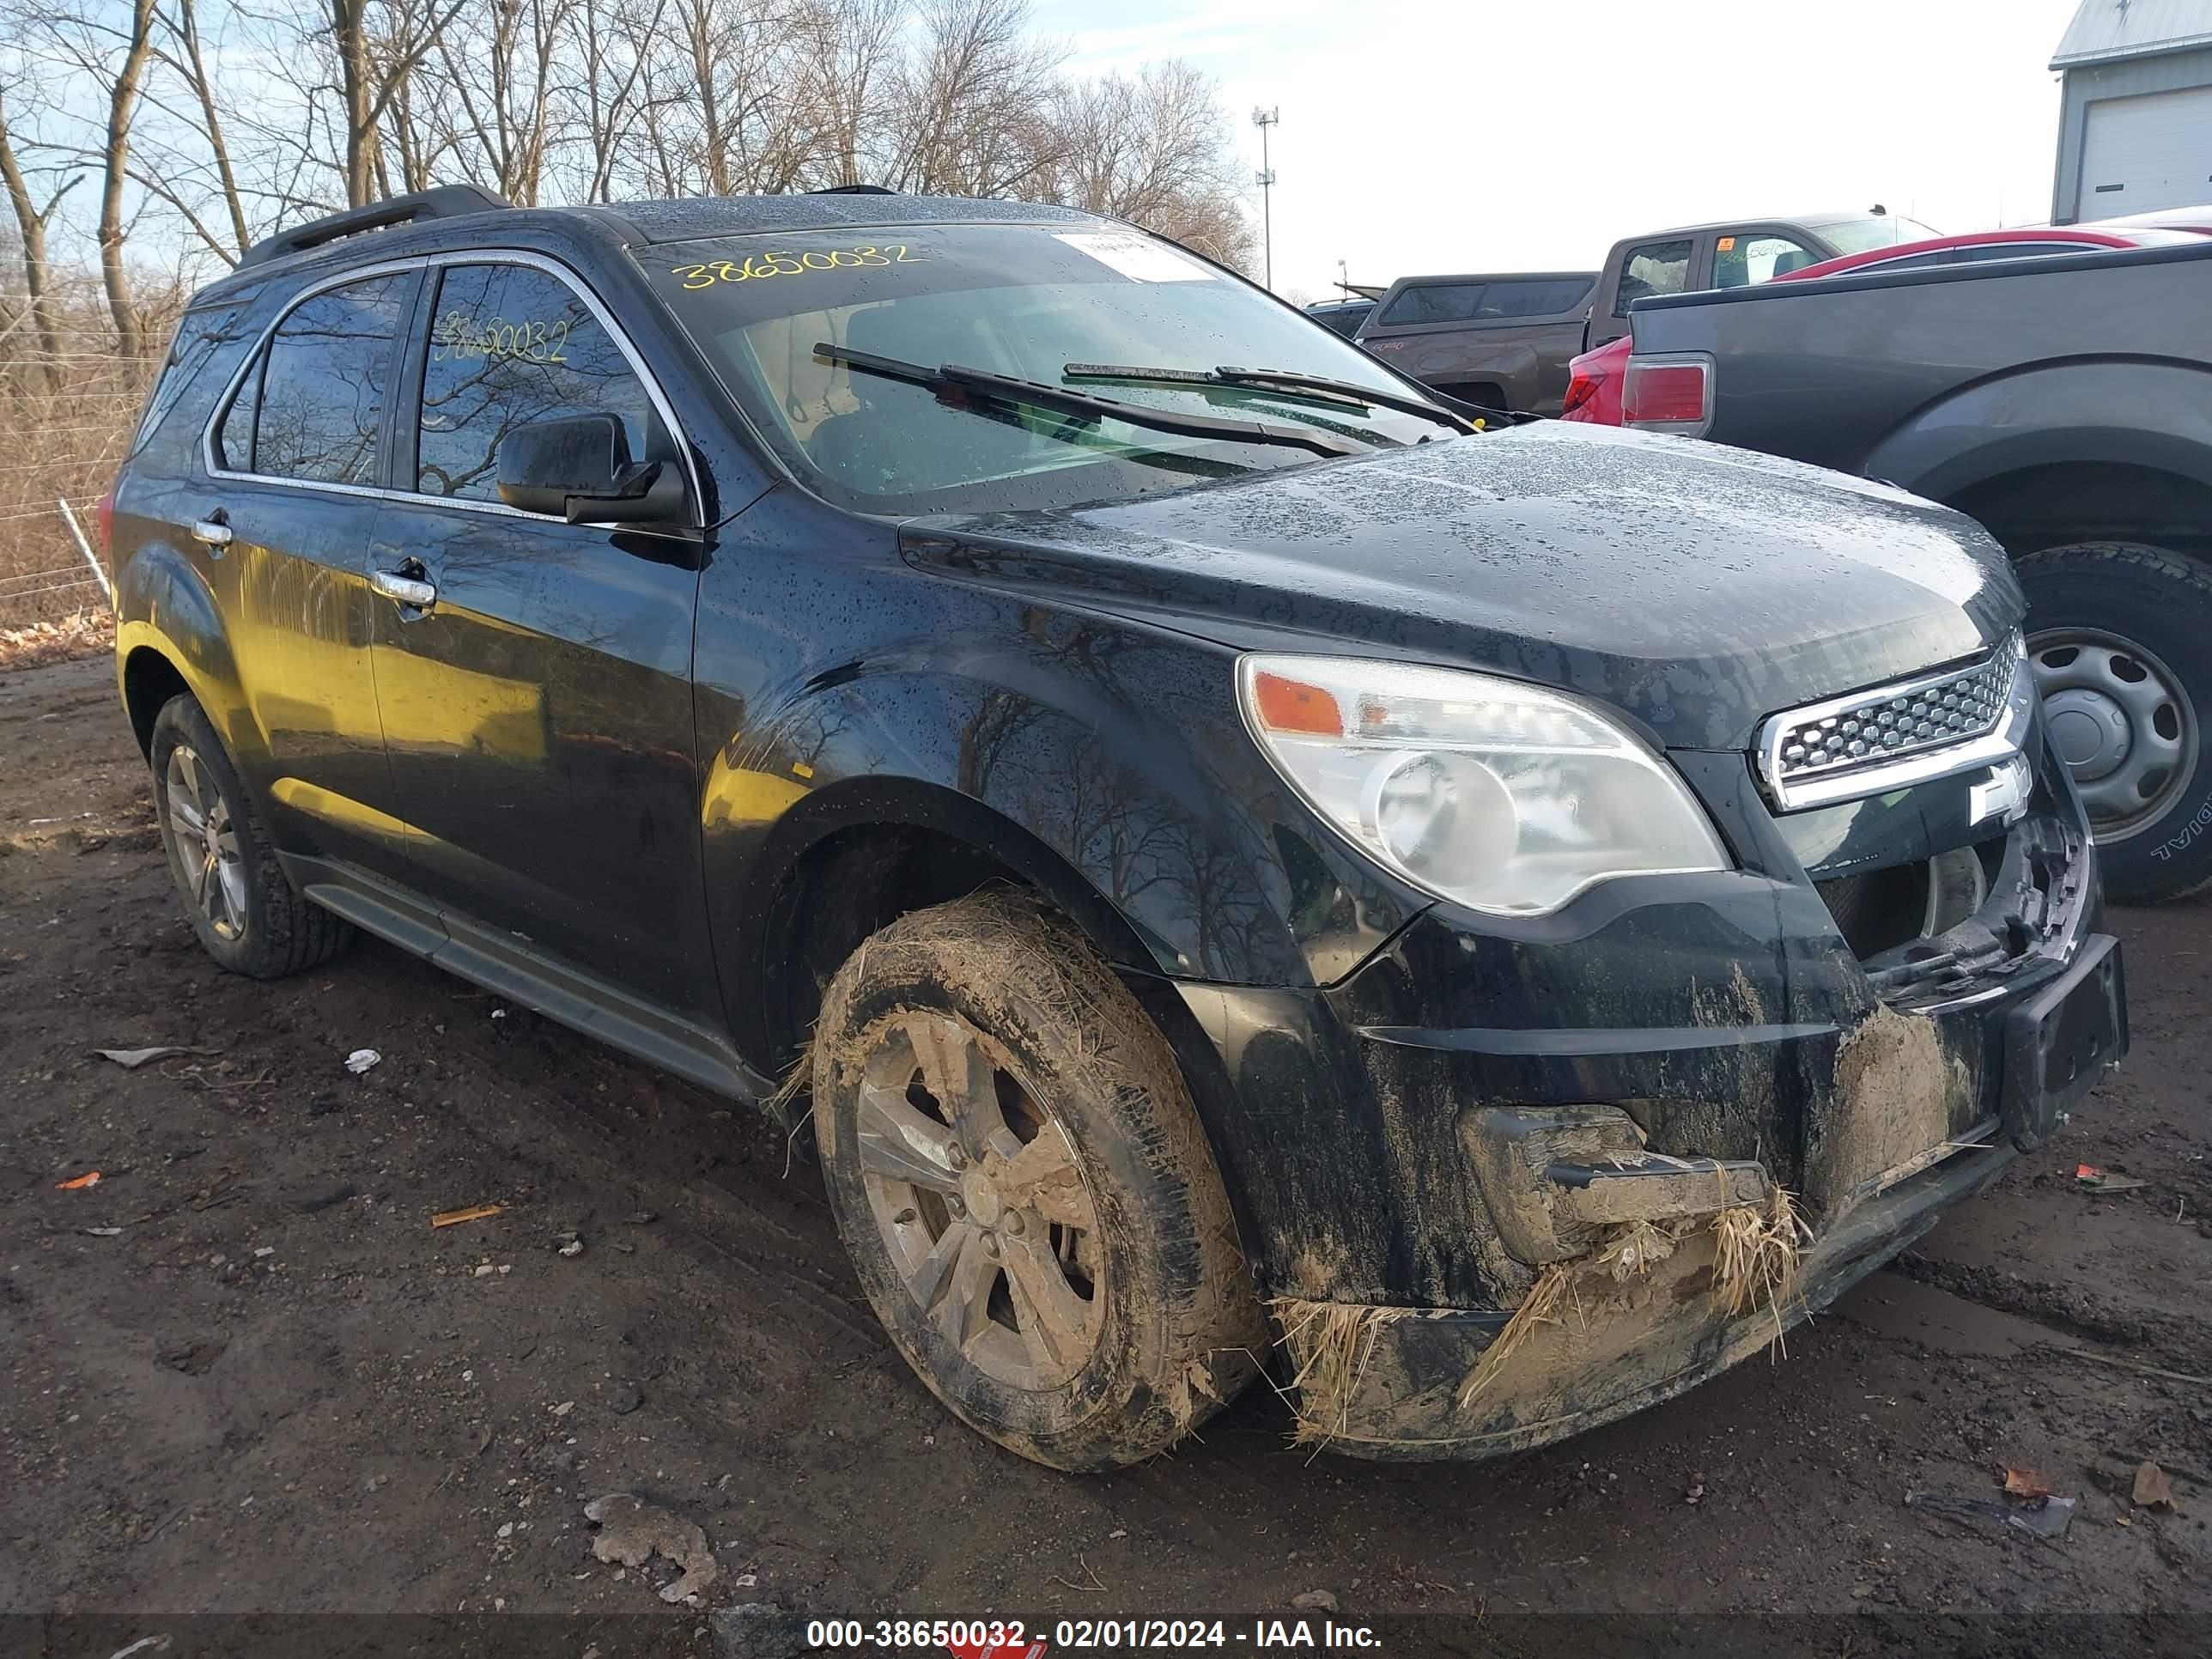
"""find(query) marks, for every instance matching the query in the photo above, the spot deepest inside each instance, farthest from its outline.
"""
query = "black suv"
(1218, 835)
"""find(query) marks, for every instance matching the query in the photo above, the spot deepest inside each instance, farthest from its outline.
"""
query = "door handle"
(212, 530)
(407, 590)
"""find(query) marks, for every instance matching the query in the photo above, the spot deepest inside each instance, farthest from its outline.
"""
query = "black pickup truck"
(2066, 403)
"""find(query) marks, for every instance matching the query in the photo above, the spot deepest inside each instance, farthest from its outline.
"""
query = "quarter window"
(511, 344)
(313, 408)
(1655, 268)
(198, 335)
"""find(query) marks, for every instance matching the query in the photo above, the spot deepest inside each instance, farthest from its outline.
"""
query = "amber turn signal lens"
(1287, 705)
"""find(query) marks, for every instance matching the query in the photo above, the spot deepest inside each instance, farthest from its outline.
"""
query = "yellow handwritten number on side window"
(758, 267)
(460, 336)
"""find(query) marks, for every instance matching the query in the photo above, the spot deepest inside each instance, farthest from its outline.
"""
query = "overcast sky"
(1430, 135)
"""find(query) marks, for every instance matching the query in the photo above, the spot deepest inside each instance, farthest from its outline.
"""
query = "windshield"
(1886, 230)
(1021, 300)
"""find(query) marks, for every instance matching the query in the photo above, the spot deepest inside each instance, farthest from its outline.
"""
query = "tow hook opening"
(1556, 1179)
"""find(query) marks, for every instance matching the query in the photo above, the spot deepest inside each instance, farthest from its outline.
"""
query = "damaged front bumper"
(1612, 1347)
(1567, 1117)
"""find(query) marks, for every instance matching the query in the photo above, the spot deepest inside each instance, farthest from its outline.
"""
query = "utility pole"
(1264, 118)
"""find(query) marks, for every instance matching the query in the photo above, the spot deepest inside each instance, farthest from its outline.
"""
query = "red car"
(1597, 378)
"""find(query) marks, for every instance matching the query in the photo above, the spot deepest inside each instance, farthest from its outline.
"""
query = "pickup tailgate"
(1824, 371)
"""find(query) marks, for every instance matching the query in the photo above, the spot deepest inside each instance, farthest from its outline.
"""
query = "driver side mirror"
(578, 467)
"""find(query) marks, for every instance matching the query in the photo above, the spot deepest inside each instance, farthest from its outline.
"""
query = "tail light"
(1668, 394)
(103, 526)
(1580, 389)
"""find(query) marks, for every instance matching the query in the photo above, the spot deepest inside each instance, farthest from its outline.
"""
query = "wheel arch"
(2055, 503)
(150, 678)
(2055, 453)
(870, 852)
(852, 857)
(170, 637)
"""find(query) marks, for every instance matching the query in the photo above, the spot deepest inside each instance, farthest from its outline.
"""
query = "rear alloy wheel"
(248, 916)
(2116, 636)
(1021, 1180)
(211, 872)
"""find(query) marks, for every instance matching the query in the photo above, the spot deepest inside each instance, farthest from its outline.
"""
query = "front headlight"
(1497, 795)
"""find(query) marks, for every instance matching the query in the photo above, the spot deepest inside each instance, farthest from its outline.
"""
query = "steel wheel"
(977, 1194)
(207, 843)
(2122, 722)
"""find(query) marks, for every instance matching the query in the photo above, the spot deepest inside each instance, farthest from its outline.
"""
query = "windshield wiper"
(1439, 410)
(1036, 393)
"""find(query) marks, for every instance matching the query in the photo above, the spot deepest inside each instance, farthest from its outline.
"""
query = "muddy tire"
(2118, 636)
(248, 916)
(1024, 1188)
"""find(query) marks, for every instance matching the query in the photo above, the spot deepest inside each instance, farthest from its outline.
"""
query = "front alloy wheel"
(1022, 1183)
(977, 1197)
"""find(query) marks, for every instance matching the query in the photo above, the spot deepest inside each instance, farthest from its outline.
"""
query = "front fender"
(1101, 761)
(2155, 415)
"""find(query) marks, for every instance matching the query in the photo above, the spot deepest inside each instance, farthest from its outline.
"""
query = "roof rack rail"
(854, 189)
(444, 202)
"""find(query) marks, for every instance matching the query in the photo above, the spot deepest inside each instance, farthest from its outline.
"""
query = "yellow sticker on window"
(1727, 244)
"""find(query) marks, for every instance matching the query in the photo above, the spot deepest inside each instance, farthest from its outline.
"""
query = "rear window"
(1655, 268)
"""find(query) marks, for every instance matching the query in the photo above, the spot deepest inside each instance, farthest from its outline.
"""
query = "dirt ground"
(244, 1373)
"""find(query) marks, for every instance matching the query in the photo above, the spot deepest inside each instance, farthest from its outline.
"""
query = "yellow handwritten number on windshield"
(759, 267)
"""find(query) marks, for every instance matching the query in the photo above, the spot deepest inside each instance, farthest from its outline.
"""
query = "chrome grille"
(1927, 727)
(1925, 718)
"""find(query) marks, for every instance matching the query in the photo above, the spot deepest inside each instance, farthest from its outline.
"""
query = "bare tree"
(1152, 150)
(850, 53)
(613, 41)
(379, 44)
(500, 87)
(178, 48)
(972, 102)
(31, 222)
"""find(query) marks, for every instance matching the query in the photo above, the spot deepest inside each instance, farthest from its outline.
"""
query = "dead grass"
(1756, 1254)
(1551, 1292)
(1330, 1345)
(88, 633)
(71, 416)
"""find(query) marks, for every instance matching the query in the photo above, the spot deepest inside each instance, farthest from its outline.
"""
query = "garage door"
(2153, 151)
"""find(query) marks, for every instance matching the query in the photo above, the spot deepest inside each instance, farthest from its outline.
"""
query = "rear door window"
(511, 344)
(1654, 268)
(312, 407)
(1435, 302)
(1746, 261)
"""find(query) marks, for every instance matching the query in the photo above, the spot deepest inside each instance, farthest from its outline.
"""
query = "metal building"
(2135, 129)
